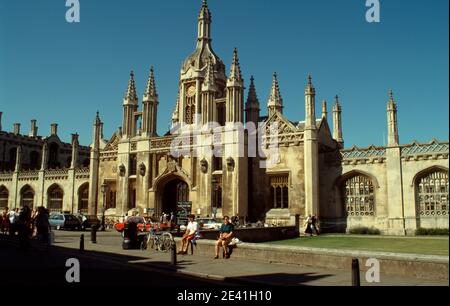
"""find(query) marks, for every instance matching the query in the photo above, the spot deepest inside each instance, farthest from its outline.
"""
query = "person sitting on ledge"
(226, 234)
(191, 231)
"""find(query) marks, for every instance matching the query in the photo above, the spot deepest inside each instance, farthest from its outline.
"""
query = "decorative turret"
(337, 122)
(275, 103)
(392, 121)
(252, 107)
(130, 105)
(18, 159)
(324, 110)
(235, 92)
(75, 145)
(150, 107)
(310, 112)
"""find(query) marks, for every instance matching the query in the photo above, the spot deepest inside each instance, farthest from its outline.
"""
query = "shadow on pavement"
(46, 266)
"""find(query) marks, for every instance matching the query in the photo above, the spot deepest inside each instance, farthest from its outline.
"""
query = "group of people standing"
(26, 223)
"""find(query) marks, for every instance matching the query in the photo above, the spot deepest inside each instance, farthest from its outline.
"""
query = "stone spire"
(204, 23)
(393, 139)
(337, 122)
(130, 95)
(18, 159)
(252, 108)
(235, 93)
(275, 103)
(150, 90)
(150, 107)
(44, 160)
(324, 110)
(130, 106)
(310, 105)
(75, 145)
(235, 72)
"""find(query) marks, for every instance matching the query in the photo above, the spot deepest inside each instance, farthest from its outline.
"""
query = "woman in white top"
(191, 231)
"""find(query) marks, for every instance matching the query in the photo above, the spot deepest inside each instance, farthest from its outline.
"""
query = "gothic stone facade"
(396, 188)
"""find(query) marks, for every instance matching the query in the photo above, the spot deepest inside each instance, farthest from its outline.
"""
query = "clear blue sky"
(54, 71)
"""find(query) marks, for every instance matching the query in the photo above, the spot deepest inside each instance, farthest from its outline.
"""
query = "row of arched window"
(55, 197)
(34, 160)
(431, 190)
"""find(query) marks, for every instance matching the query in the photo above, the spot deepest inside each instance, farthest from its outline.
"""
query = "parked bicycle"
(161, 241)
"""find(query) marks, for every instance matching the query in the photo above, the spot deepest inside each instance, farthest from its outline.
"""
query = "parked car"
(209, 223)
(88, 221)
(64, 221)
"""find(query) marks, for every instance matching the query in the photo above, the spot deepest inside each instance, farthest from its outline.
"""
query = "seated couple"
(191, 231)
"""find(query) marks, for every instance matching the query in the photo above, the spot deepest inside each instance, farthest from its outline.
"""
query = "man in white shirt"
(191, 231)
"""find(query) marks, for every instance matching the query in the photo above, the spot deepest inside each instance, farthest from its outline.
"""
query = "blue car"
(64, 221)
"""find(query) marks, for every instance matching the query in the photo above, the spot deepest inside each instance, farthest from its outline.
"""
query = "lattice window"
(55, 199)
(189, 110)
(3, 197)
(279, 191)
(432, 194)
(358, 196)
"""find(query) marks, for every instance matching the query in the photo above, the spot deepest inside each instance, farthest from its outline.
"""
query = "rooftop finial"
(252, 97)
(391, 95)
(309, 80)
(235, 73)
(150, 91)
(131, 90)
(275, 100)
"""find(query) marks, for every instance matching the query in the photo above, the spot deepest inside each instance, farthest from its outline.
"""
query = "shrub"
(364, 230)
(432, 231)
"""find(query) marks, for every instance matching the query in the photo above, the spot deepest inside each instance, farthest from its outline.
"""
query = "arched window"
(83, 197)
(55, 198)
(27, 196)
(3, 197)
(279, 191)
(432, 194)
(358, 196)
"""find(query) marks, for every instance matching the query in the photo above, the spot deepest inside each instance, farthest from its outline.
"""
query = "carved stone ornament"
(204, 165)
(142, 169)
(172, 166)
(122, 170)
(230, 164)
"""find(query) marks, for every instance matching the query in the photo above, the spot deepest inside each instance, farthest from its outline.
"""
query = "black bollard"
(82, 242)
(356, 282)
(173, 249)
(94, 234)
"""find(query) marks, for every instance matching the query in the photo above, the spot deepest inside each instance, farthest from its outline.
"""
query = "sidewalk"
(235, 270)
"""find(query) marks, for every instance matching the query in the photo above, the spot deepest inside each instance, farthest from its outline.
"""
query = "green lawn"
(427, 246)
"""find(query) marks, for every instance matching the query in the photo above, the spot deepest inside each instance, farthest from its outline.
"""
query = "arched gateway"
(169, 192)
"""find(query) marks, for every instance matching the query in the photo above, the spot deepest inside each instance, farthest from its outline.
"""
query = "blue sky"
(54, 71)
